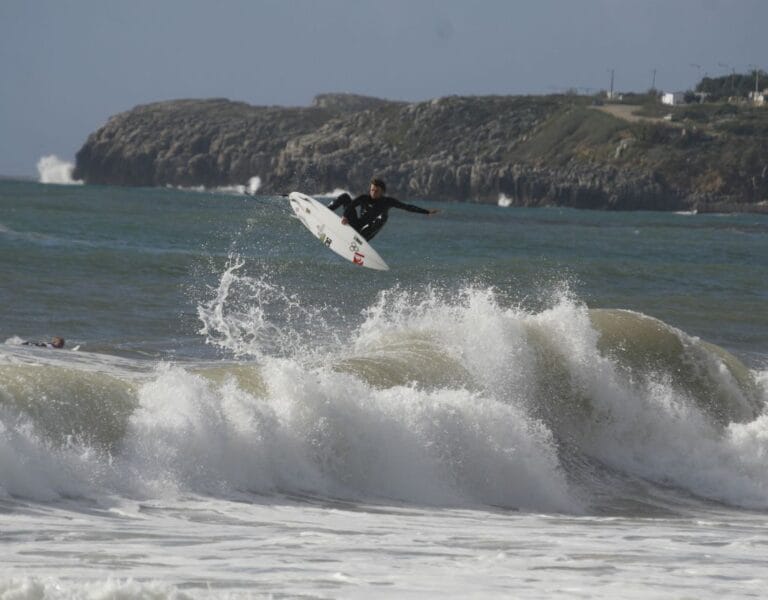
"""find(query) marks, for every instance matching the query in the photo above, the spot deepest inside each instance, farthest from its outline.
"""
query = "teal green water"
(124, 270)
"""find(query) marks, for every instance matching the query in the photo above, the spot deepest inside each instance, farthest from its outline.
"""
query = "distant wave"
(52, 169)
(253, 185)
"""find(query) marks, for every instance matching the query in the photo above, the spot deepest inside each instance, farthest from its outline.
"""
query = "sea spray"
(250, 188)
(52, 169)
(327, 434)
(473, 332)
(31, 467)
(192, 434)
(249, 316)
(556, 369)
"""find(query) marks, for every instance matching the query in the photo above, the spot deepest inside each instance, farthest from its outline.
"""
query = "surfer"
(374, 209)
(56, 342)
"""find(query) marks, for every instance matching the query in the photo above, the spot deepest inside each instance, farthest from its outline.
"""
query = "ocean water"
(531, 403)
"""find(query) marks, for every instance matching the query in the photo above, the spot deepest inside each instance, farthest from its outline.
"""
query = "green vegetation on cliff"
(737, 85)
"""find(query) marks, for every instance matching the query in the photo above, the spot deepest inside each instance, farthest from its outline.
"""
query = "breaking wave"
(448, 398)
(52, 169)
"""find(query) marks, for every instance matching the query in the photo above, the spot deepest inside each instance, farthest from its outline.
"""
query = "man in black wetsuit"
(56, 342)
(374, 209)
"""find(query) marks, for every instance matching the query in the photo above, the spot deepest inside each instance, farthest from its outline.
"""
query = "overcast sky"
(67, 65)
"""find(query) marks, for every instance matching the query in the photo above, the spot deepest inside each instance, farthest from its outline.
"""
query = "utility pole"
(732, 70)
(610, 94)
(757, 73)
(653, 81)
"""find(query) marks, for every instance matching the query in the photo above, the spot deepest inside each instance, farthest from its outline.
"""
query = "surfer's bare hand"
(344, 220)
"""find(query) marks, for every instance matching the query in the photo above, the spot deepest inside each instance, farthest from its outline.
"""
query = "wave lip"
(713, 379)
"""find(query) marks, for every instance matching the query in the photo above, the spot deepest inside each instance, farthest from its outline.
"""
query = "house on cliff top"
(673, 98)
(758, 98)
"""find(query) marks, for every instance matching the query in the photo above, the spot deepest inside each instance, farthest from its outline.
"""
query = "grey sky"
(67, 65)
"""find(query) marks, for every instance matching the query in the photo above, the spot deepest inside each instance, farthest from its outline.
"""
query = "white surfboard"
(326, 226)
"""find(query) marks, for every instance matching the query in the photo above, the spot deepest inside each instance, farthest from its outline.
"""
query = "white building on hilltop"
(673, 98)
(758, 98)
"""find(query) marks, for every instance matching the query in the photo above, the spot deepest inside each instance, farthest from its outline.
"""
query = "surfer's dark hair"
(379, 183)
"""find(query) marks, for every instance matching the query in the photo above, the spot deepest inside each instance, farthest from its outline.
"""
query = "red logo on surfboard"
(358, 258)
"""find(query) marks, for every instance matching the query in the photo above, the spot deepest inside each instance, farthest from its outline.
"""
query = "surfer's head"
(378, 187)
(57, 342)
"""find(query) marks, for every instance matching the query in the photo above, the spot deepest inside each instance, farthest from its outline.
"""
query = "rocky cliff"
(550, 150)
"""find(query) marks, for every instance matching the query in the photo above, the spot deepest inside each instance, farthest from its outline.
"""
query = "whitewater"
(528, 405)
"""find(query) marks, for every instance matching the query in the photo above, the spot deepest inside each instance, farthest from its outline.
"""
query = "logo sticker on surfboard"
(358, 258)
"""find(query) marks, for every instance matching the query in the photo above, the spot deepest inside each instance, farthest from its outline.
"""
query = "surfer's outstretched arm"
(412, 207)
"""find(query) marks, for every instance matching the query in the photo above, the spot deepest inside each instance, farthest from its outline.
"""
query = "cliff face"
(192, 142)
(534, 150)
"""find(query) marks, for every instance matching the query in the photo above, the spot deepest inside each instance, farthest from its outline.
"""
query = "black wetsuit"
(38, 344)
(373, 213)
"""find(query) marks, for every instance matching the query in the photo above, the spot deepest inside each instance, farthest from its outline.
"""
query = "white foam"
(253, 185)
(301, 419)
(53, 588)
(30, 467)
(644, 425)
(253, 317)
(641, 423)
(327, 433)
(638, 422)
(52, 169)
